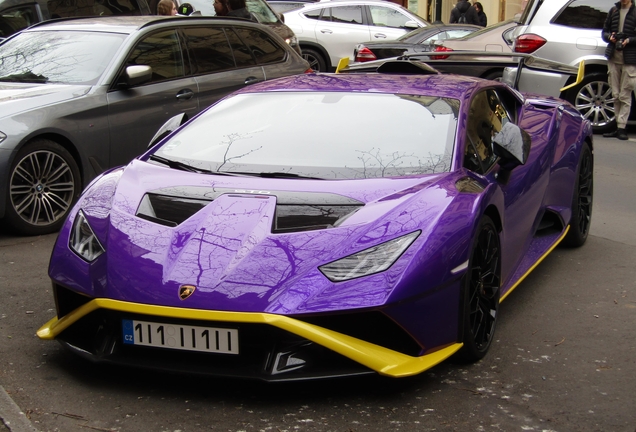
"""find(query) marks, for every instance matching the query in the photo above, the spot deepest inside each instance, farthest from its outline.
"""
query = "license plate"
(180, 337)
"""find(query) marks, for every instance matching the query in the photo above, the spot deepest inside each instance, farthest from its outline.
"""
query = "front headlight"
(2, 137)
(83, 240)
(369, 261)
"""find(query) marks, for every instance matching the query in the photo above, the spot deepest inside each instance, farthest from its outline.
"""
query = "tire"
(582, 200)
(480, 303)
(316, 61)
(44, 182)
(593, 98)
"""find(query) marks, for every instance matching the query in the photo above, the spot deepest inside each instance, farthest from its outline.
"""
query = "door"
(136, 113)
(340, 29)
(388, 23)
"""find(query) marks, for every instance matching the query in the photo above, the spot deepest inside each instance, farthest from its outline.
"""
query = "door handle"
(185, 94)
(327, 31)
(379, 36)
(251, 80)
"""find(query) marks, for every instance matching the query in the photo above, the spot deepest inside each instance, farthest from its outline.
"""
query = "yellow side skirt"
(382, 360)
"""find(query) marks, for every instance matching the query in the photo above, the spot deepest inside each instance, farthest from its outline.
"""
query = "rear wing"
(464, 62)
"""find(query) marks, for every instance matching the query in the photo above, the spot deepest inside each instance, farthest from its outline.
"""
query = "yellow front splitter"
(382, 360)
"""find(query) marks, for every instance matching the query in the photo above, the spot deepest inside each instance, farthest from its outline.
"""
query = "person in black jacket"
(238, 9)
(619, 32)
(463, 12)
(481, 15)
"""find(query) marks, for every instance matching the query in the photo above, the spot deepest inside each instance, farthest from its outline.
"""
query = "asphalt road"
(564, 358)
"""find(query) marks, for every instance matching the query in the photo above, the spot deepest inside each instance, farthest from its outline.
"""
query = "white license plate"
(181, 337)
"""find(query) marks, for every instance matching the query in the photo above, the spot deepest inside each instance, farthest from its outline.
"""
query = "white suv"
(569, 31)
(330, 30)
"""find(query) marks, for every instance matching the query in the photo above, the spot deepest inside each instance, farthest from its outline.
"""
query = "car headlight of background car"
(2, 137)
(292, 41)
(369, 261)
(83, 240)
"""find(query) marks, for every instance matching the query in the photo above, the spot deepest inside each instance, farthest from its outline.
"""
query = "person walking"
(238, 9)
(464, 13)
(619, 31)
(481, 15)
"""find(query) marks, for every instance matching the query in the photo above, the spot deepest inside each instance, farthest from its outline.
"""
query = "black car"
(419, 40)
(79, 96)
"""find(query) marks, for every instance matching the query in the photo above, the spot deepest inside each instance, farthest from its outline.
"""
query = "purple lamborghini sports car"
(323, 225)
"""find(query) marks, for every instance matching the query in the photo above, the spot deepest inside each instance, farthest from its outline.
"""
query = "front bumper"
(268, 342)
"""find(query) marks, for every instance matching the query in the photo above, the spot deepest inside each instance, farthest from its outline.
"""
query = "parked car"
(420, 40)
(261, 10)
(569, 31)
(495, 38)
(83, 95)
(330, 30)
(16, 15)
(253, 244)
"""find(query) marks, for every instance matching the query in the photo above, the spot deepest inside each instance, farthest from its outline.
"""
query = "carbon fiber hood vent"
(295, 211)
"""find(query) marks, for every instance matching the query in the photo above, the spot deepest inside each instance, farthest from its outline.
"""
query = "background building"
(433, 10)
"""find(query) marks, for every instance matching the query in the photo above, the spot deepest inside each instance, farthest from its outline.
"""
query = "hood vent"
(295, 211)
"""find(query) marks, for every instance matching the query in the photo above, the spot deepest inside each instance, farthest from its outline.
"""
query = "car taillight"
(440, 48)
(364, 54)
(528, 43)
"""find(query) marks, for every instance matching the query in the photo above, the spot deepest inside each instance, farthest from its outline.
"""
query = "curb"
(11, 415)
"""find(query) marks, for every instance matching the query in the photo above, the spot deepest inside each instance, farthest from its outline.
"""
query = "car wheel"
(44, 182)
(481, 296)
(593, 98)
(315, 59)
(582, 200)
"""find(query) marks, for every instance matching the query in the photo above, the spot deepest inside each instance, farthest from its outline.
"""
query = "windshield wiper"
(25, 77)
(275, 175)
(178, 165)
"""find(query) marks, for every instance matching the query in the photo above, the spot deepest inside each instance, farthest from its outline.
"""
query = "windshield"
(327, 135)
(68, 57)
(487, 30)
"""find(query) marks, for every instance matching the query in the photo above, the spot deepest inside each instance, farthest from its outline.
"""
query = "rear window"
(584, 14)
(369, 135)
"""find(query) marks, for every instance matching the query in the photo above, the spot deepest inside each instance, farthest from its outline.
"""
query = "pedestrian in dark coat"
(619, 32)
(464, 9)
(483, 19)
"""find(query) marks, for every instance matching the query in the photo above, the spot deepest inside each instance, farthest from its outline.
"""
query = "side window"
(242, 54)
(586, 14)
(486, 117)
(388, 17)
(209, 50)
(314, 14)
(162, 52)
(346, 14)
(15, 19)
(263, 47)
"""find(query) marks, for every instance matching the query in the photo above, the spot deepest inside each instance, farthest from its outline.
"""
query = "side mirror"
(136, 75)
(168, 127)
(411, 25)
(512, 145)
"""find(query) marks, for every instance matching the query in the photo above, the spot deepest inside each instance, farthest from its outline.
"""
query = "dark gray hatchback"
(80, 96)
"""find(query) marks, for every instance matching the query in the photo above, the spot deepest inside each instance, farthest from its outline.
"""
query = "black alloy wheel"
(482, 293)
(44, 182)
(582, 200)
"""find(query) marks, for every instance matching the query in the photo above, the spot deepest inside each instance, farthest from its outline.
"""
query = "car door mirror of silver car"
(168, 127)
(411, 25)
(136, 75)
(512, 145)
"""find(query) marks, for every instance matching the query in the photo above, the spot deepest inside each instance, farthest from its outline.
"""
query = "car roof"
(438, 85)
(125, 24)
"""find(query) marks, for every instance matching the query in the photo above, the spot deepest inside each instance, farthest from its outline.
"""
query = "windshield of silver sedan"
(320, 135)
(65, 57)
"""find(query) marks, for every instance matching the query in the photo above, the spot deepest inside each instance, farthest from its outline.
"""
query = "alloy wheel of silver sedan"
(43, 185)
(595, 102)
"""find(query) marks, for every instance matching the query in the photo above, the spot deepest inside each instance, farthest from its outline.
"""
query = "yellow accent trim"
(579, 76)
(382, 360)
(556, 243)
(342, 63)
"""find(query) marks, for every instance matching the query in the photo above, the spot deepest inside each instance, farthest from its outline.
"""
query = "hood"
(19, 97)
(224, 235)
